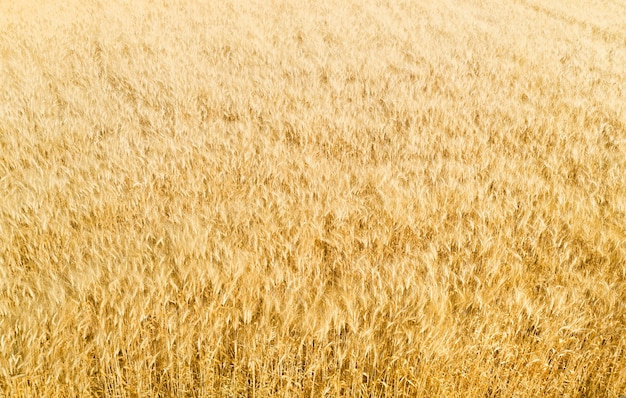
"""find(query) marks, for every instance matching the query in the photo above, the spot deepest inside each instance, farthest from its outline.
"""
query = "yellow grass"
(313, 198)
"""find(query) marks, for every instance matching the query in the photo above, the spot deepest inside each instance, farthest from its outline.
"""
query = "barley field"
(282, 198)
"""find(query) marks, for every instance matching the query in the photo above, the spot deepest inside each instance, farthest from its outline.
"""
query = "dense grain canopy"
(313, 198)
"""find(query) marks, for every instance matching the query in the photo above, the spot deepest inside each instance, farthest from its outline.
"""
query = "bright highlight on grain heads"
(286, 198)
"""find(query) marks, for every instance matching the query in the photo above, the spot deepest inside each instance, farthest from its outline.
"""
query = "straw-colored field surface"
(313, 198)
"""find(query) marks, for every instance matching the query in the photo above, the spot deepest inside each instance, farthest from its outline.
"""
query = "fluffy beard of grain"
(307, 199)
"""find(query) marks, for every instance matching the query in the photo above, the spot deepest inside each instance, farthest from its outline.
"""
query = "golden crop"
(313, 198)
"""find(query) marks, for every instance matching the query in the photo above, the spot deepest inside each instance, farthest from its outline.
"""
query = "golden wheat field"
(360, 198)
